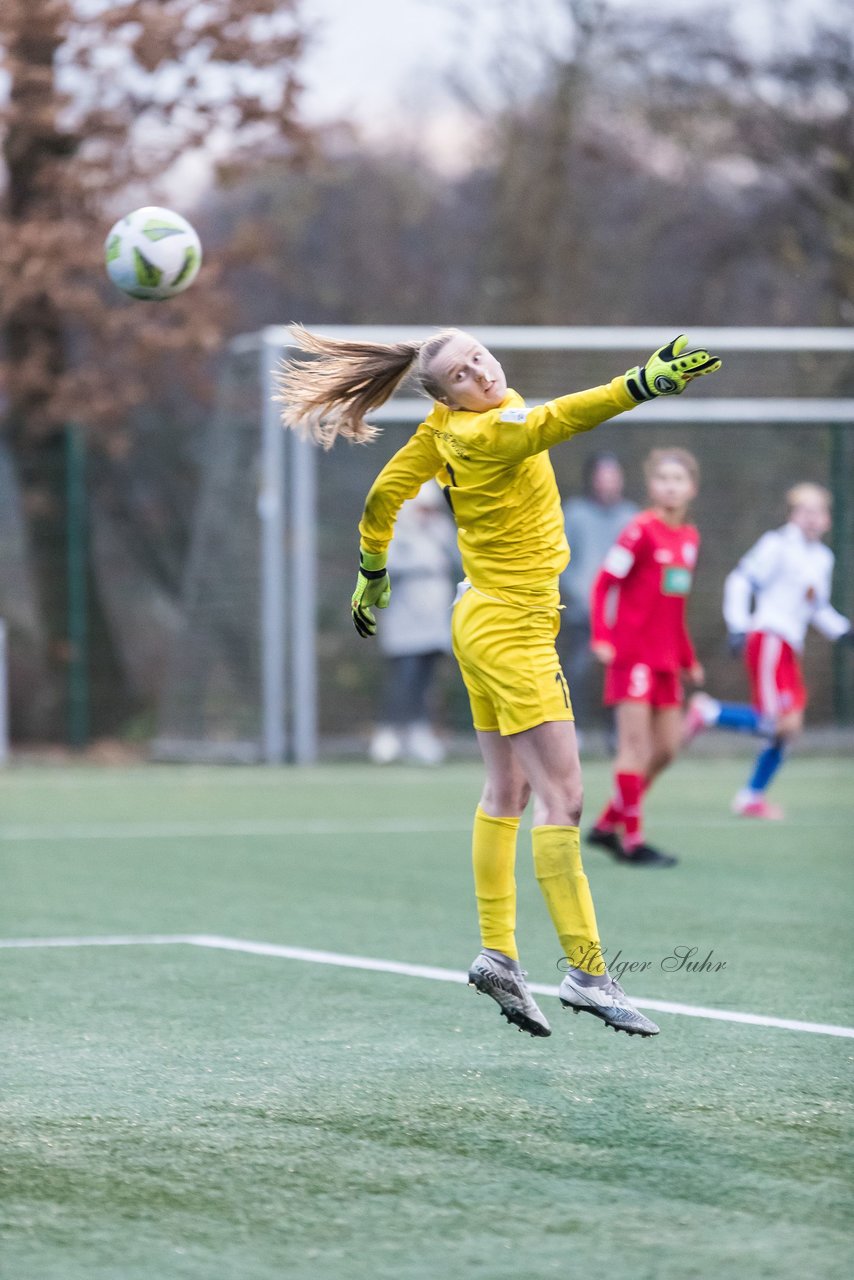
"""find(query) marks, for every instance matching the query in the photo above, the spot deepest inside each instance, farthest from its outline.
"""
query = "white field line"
(239, 828)
(101, 940)
(286, 777)
(218, 776)
(217, 943)
(265, 828)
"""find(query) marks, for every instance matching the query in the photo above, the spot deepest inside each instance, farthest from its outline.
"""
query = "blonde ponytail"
(330, 395)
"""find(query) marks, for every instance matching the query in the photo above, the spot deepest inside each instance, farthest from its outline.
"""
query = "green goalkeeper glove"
(372, 589)
(669, 370)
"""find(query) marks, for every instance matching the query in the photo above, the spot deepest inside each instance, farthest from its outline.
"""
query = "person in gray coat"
(416, 631)
(593, 522)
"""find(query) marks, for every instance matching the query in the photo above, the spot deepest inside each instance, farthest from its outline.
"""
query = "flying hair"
(330, 394)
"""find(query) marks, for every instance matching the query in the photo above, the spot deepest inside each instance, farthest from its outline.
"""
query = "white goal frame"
(287, 499)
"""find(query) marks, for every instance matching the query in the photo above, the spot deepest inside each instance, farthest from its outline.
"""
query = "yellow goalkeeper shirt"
(501, 485)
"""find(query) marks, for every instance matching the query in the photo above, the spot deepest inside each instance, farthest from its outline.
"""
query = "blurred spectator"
(416, 628)
(593, 523)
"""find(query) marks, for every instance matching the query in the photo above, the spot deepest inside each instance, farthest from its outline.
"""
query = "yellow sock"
(557, 865)
(494, 865)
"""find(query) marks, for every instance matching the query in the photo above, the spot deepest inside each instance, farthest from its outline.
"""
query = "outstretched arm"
(667, 372)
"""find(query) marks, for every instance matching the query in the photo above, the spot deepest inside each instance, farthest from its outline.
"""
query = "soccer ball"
(152, 253)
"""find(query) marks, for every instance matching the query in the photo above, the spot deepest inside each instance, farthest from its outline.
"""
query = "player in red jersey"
(640, 635)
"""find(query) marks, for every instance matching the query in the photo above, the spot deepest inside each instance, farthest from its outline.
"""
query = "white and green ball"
(152, 253)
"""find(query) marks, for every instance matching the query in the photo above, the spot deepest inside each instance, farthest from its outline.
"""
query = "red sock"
(611, 816)
(630, 788)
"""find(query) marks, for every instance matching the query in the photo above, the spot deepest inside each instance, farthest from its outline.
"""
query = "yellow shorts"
(509, 664)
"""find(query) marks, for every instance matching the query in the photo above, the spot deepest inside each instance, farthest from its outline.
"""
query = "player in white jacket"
(775, 592)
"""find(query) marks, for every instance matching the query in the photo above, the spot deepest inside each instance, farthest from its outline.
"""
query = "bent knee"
(662, 759)
(789, 725)
(561, 808)
(508, 799)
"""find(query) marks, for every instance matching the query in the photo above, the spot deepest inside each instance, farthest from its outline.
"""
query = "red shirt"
(638, 597)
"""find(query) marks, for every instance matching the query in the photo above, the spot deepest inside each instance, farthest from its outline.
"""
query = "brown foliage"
(99, 114)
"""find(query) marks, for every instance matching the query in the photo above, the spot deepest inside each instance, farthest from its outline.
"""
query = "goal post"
(4, 695)
(287, 614)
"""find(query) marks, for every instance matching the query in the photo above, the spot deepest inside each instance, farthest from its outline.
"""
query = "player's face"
(671, 487)
(470, 375)
(812, 518)
(607, 482)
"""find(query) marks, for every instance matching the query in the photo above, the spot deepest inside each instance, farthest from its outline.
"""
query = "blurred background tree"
(109, 106)
(596, 169)
(599, 171)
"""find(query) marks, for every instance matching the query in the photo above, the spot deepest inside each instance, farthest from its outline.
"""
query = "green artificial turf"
(177, 1111)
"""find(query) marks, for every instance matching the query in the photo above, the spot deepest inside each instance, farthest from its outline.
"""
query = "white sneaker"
(423, 746)
(610, 1003)
(504, 981)
(385, 746)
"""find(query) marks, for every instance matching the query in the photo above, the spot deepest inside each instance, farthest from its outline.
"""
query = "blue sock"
(737, 715)
(767, 764)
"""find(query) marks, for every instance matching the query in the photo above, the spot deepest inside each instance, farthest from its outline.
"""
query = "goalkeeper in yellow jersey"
(489, 451)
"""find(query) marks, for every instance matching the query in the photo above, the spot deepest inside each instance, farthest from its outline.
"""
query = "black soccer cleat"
(607, 840)
(645, 855)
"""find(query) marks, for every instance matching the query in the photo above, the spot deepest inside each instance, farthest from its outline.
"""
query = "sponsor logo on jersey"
(452, 443)
(513, 415)
(676, 581)
(662, 555)
(689, 554)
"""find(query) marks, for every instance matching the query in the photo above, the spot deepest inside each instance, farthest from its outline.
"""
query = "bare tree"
(773, 117)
